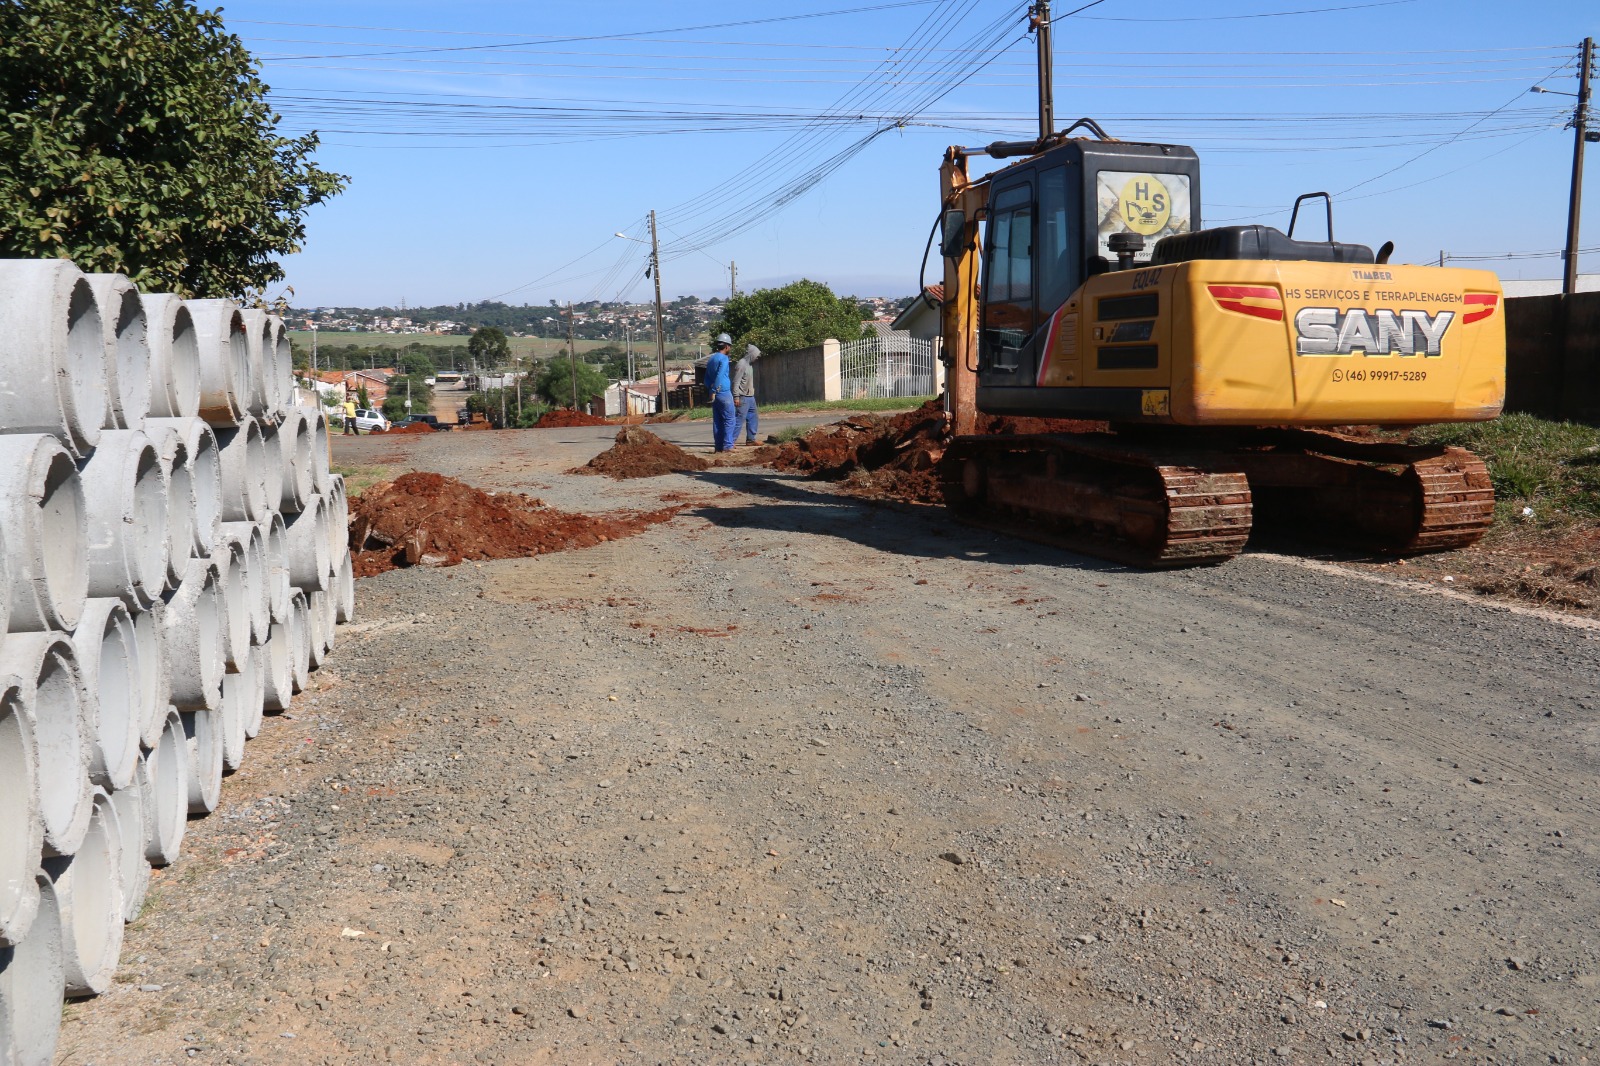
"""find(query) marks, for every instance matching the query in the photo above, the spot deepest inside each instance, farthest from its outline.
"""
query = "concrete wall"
(801, 376)
(1553, 356)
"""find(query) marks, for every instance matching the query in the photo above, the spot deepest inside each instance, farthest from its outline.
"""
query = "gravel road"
(799, 777)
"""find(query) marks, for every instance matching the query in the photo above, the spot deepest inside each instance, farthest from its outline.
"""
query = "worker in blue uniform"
(719, 385)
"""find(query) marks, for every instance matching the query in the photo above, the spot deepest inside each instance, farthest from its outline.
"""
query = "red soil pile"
(414, 427)
(640, 453)
(564, 417)
(439, 521)
(895, 457)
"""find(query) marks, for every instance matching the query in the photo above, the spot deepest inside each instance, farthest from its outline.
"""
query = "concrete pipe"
(204, 464)
(295, 436)
(128, 362)
(166, 807)
(53, 690)
(280, 380)
(278, 656)
(272, 465)
(337, 519)
(32, 975)
(256, 698)
(224, 361)
(174, 357)
(42, 513)
(276, 540)
(344, 590)
(21, 831)
(261, 348)
(155, 671)
(108, 662)
(125, 510)
(257, 574)
(307, 539)
(202, 732)
(317, 615)
(238, 692)
(195, 630)
(330, 621)
(244, 472)
(300, 641)
(233, 584)
(129, 803)
(321, 450)
(89, 892)
(174, 456)
(52, 353)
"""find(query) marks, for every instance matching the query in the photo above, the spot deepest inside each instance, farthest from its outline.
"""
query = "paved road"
(797, 777)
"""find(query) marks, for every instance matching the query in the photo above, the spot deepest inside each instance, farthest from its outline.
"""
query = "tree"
(136, 137)
(554, 383)
(797, 315)
(489, 346)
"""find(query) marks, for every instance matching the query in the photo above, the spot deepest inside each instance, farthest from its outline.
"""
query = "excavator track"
(1185, 498)
(1101, 495)
(1398, 499)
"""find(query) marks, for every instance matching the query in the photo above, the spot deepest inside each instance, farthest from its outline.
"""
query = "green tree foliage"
(797, 315)
(136, 137)
(489, 347)
(554, 383)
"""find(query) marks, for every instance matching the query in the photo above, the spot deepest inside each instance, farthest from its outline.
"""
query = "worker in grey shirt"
(744, 394)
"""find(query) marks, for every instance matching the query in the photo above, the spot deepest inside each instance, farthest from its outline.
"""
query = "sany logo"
(1329, 331)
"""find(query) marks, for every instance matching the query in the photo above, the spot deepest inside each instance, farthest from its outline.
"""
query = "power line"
(1262, 15)
(643, 33)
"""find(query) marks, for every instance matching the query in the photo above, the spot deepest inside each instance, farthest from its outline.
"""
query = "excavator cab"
(1051, 224)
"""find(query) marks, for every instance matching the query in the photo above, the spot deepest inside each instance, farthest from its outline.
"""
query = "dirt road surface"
(799, 778)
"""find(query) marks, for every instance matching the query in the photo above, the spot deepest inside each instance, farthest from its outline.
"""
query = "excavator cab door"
(1033, 262)
(1008, 304)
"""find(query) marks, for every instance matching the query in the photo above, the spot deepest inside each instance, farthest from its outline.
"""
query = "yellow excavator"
(1221, 359)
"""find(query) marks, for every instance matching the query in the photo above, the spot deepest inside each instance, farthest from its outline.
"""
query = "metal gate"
(896, 364)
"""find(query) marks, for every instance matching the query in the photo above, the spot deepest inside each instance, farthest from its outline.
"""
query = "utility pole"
(1039, 22)
(733, 279)
(572, 357)
(1580, 133)
(1442, 257)
(662, 403)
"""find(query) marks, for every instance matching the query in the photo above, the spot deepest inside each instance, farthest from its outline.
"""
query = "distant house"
(920, 319)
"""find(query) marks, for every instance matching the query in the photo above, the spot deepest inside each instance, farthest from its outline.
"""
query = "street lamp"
(662, 402)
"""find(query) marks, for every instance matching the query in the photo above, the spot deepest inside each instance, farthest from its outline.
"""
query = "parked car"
(368, 420)
(429, 420)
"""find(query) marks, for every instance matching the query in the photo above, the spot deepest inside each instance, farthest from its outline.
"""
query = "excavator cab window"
(1060, 229)
(1008, 280)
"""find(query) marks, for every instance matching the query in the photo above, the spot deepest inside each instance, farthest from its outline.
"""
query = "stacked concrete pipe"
(32, 977)
(174, 357)
(125, 327)
(166, 810)
(21, 831)
(173, 563)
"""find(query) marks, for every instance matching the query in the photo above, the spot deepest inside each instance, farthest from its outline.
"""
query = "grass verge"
(357, 479)
(1553, 468)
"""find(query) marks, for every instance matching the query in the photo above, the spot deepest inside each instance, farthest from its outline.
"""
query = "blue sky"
(494, 148)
